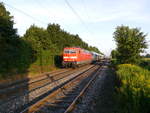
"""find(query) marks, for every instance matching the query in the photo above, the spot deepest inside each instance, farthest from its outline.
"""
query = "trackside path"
(99, 98)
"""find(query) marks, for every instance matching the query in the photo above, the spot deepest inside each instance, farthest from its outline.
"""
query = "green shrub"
(145, 63)
(134, 92)
(114, 62)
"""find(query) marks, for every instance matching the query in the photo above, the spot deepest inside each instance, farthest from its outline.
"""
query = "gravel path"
(99, 98)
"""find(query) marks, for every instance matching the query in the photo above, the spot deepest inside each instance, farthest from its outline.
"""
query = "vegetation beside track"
(132, 87)
(133, 72)
(133, 93)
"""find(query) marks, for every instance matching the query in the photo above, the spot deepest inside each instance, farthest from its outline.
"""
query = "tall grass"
(134, 91)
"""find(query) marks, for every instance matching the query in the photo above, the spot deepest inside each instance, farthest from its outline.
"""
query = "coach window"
(66, 51)
(72, 51)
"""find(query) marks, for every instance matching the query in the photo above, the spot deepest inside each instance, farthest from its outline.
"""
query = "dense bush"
(134, 92)
(145, 63)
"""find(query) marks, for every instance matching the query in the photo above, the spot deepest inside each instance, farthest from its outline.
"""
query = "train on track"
(76, 56)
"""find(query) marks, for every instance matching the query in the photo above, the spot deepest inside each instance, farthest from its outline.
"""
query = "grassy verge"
(133, 95)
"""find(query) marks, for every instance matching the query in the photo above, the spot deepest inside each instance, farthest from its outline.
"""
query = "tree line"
(38, 47)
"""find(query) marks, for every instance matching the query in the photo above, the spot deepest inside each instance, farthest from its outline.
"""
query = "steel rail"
(54, 90)
(38, 87)
(28, 81)
(71, 106)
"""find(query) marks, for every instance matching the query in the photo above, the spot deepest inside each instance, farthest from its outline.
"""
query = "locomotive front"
(70, 57)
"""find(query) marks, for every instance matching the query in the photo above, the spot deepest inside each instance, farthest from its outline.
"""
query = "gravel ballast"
(100, 96)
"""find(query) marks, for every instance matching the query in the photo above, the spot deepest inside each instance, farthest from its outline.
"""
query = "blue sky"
(94, 20)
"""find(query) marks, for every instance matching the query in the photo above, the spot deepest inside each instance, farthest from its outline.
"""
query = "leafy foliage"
(14, 51)
(61, 39)
(130, 43)
(134, 92)
(38, 38)
(114, 54)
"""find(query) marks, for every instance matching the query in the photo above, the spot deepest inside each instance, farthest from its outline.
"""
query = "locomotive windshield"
(69, 51)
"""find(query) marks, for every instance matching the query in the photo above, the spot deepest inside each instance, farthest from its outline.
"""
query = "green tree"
(8, 41)
(38, 38)
(130, 43)
(114, 53)
(14, 52)
(56, 36)
(42, 45)
(61, 39)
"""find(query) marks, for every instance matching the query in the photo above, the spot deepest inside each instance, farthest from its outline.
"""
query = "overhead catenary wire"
(28, 15)
(24, 13)
(42, 4)
(78, 16)
(72, 9)
(85, 8)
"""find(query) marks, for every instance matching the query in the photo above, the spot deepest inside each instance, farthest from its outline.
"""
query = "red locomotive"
(75, 56)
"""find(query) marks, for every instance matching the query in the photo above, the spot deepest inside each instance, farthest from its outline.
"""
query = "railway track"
(8, 91)
(31, 96)
(8, 85)
(20, 83)
(64, 97)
